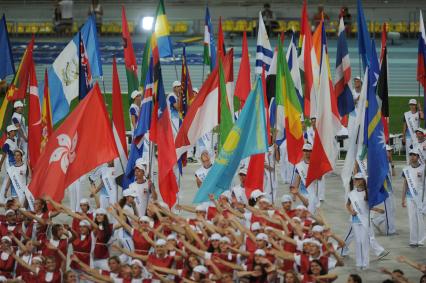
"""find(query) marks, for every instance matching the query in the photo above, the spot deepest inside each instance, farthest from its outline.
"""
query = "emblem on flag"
(65, 152)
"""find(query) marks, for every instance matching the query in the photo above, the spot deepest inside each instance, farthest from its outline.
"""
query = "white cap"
(215, 237)
(296, 219)
(225, 239)
(18, 104)
(388, 147)
(260, 252)
(239, 194)
(357, 78)
(359, 175)
(301, 207)
(144, 219)
(11, 128)
(195, 89)
(412, 101)
(140, 163)
(84, 201)
(6, 238)
(137, 262)
(129, 193)
(262, 236)
(413, 151)
(266, 200)
(84, 222)
(315, 242)
(255, 226)
(176, 83)
(201, 269)
(201, 207)
(318, 228)
(227, 194)
(135, 93)
(419, 130)
(100, 211)
(172, 237)
(9, 211)
(243, 171)
(307, 147)
(256, 193)
(37, 258)
(286, 198)
(160, 242)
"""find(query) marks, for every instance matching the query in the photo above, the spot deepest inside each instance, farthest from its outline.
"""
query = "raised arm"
(23, 263)
(144, 258)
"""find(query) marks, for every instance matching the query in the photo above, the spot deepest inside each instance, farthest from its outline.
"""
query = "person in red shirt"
(7, 261)
(102, 233)
(45, 274)
(81, 244)
(10, 225)
(57, 241)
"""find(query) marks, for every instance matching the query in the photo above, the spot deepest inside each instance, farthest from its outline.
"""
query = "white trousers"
(408, 144)
(417, 225)
(350, 236)
(321, 188)
(286, 168)
(387, 219)
(75, 195)
(362, 245)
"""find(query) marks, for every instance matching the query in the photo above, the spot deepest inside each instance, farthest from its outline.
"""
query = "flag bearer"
(411, 123)
(135, 108)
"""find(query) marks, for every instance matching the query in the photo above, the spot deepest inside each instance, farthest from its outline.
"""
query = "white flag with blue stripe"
(63, 73)
(264, 51)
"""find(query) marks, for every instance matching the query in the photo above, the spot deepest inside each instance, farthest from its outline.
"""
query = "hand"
(294, 190)
(401, 259)
(74, 258)
(354, 213)
(404, 203)
(211, 197)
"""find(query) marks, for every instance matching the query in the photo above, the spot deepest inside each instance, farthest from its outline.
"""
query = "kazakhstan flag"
(247, 137)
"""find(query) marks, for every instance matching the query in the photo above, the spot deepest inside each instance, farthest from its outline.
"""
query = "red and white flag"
(118, 126)
(83, 142)
(34, 120)
(202, 115)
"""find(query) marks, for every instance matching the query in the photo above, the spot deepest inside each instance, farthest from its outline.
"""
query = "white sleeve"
(297, 259)
(331, 263)
(207, 255)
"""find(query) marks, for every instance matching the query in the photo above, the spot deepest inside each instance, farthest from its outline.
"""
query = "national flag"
(266, 104)
(63, 73)
(186, 85)
(243, 85)
(378, 164)
(225, 116)
(84, 74)
(255, 174)
(264, 51)
(293, 65)
(209, 57)
(288, 108)
(421, 55)
(364, 44)
(161, 29)
(166, 147)
(382, 84)
(221, 49)
(46, 113)
(71, 151)
(384, 41)
(129, 56)
(324, 152)
(345, 101)
(7, 66)
(145, 61)
(247, 137)
(308, 64)
(34, 120)
(202, 117)
(118, 126)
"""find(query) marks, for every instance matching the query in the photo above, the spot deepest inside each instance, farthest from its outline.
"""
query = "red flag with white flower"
(83, 142)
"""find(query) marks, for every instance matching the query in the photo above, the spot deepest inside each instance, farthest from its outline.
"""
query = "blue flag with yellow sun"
(247, 137)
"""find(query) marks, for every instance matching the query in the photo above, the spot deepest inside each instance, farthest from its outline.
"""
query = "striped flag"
(129, 56)
(264, 51)
(288, 102)
(328, 121)
(345, 101)
(161, 28)
(209, 43)
(308, 64)
(7, 67)
(421, 56)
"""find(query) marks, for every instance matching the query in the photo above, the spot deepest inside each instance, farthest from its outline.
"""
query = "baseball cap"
(215, 237)
(144, 219)
(129, 193)
(255, 226)
(307, 147)
(262, 236)
(176, 83)
(9, 211)
(11, 128)
(260, 252)
(317, 228)
(171, 237)
(6, 238)
(388, 147)
(135, 93)
(84, 222)
(359, 175)
(201, 269)
(286, 198)
(160, 242)
(18, 104)
(301, 207)
(195, 89)
(140, 163)
(200, 207)
(243, 171)
(413, 151)
(100, 211)
(225, 239)
(357, 78)
(84, 201)
(137, 262)
(227, 194)
(412, 101)
(256, 193)
(266, 200)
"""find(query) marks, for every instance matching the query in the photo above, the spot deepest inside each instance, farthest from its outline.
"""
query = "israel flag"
(264, 51)
(63, 73)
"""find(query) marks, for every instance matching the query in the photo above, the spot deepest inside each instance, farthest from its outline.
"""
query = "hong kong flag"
(83, 142)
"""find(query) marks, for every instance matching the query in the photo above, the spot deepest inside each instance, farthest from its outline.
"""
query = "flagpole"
(174, 64)
(202, 77)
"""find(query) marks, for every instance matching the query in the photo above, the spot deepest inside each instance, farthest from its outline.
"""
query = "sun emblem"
(65, 152)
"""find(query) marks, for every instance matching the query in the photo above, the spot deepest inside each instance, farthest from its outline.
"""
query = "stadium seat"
(228, 25)
(282, 26)
(180, 27)
(332, 27)
(10, 27)
(20, 29)
(131, 26)
(293, 25)
(241, 25)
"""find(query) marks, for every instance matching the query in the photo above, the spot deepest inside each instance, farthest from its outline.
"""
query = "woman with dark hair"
(354, 278)
(291, 277)
(58, 240)
(318, 274)
(102, 233)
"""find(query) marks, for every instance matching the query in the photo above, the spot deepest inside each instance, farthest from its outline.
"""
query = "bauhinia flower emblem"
(65, 152)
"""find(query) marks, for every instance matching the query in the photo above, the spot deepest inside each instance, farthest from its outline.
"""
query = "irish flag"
(289, 104)
(129, 56)
(203, 114)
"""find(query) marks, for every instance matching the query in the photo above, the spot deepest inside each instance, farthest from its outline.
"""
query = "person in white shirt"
(18, 120)
(135, 108)
(356, 92)
(412, 198)
(174, 103)
(202, 172)
(411, 123)
(143, 188)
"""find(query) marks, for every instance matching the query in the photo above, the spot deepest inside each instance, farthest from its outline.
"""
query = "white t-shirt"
(142, 196)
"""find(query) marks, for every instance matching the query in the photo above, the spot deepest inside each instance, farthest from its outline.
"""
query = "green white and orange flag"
(46, 114)
(162, 32)
(129, 56)
(289, 109)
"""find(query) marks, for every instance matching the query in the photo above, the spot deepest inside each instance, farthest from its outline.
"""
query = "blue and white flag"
(64, 72)
(264, 52)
